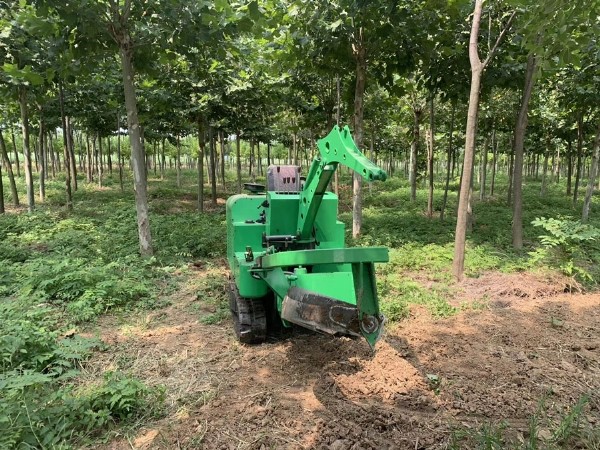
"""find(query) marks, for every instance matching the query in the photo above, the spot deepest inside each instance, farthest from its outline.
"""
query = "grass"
(567, 429)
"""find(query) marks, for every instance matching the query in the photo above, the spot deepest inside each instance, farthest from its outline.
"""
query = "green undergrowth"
(549, 428)
(212, 300)
(40, 407)
(60, 270)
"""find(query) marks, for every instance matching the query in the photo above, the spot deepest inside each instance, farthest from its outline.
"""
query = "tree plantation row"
(433, 91)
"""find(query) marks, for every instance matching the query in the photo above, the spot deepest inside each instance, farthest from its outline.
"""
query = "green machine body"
(287, 256)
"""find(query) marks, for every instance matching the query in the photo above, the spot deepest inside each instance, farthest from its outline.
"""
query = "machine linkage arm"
(337, 147)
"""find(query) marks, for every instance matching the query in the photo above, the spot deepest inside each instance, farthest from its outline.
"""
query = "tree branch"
(502, 34)
(126, 11)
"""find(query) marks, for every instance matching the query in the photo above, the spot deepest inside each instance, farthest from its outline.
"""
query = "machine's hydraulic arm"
(336, 148)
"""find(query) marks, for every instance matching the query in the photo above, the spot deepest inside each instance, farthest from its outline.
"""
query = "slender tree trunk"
(16, 152)
(579, 157)
(109, 157)
(96, 169)
(71, 163)
(222, 146)
(200, 166)
(569, 167)
(449, 159)
(53, 154)
(251, 160)
(360, 55)
(483, 170)
(558, 164)
(162, 160)
(458, 264)
(521, 126)
(66, 153)
(414, 153)
(9, 170)
(42, 172)
(494, 160)
(587, 201)
(294, 149)
(88, 159)
(137, 151)
(511, 165)
(545, 168)
(178, 163)
(100, 168)
(213, 175)
(268, 154)
(431, 152)
(238, 160)
(26, 147)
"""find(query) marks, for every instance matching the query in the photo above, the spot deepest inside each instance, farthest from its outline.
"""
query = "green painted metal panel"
(338, 285)
(324, 256)
(281, 213)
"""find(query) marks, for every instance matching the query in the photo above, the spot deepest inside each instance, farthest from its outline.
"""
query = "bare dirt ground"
(427, 378)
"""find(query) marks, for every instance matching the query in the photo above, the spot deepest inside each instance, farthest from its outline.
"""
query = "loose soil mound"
(427, 377)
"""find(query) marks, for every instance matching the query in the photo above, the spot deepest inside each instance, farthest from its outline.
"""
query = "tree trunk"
(579, 157)
(569, 166)
(178, 162)
(14, 142)
(238, 160)
(95, 156)
(521, 126)
(360, 54)
(545, 168)
(162, 159)
(558, 164)
(494, 160)
(66, 153)
(71, 163)
(458, 264)
(53, 156)
(26, 147)
(449, 160)
(200, 166)
(483, 169)
(222, 146)
(213, 175)
(89, 168)
(137, 151)
(251, 160)
(42, 162)
(259, 159)
(587, 201)
(430, 156)
(109, 157)
(414, 153)
(100, 168)
(9, 170)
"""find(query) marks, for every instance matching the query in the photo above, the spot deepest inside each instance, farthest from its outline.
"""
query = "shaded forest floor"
(510, 358)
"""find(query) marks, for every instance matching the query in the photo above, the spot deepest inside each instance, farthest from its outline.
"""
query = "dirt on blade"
(427, 378)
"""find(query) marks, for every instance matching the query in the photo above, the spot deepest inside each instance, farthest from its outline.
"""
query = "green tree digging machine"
(287, 257)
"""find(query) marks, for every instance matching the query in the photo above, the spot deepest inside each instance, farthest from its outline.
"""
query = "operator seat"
(284, 179)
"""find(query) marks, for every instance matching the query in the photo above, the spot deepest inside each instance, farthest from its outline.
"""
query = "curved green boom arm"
(337, 147)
